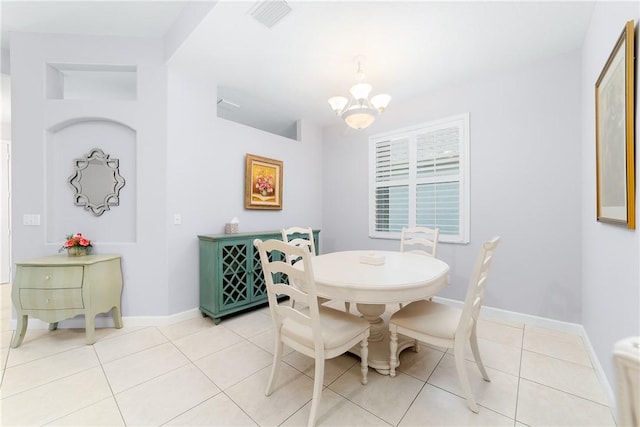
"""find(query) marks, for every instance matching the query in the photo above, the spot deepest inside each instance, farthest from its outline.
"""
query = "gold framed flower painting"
(263, 183)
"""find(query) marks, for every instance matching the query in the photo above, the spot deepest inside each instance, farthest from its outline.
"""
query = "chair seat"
(429, 318)
(337, 327)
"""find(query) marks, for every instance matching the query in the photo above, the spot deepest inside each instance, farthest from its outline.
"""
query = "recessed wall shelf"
(91, 81)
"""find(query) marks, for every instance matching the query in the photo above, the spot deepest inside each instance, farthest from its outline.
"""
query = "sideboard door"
(231, 276)
(235, 281)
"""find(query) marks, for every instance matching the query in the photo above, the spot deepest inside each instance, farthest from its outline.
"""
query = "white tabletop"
(402, 277)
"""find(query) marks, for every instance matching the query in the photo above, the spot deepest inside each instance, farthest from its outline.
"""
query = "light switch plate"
(31, 219)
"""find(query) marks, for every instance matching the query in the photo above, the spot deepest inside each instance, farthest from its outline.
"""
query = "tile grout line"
(4, 365)
(559, 358)
(48, 382)
(222, 391)
(351, 401)
(568, 392)
(515, 415)
(424, 384)
(113, 395)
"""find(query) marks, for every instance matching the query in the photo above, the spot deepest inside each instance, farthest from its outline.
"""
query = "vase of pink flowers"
(77, 245)
(264, 185)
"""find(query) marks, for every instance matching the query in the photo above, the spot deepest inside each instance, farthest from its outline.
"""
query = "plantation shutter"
(418, 177)
(438, 180)
(392, 184)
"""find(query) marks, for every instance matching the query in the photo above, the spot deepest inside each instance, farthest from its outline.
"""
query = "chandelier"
(358, 111)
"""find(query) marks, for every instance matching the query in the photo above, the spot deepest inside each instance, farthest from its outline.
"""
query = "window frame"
(460, 120)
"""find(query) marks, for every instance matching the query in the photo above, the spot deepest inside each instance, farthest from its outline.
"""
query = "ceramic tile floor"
(196, 373)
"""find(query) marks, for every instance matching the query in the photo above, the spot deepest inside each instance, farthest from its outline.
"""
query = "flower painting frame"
(615, 171)
(263, 183)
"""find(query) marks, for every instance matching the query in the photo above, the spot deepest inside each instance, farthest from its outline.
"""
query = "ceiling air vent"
(270, 12)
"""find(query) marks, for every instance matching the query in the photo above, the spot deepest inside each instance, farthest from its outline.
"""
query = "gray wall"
(205, 177)
(37, 125)
(525, 184)
(185, 161)
(610, 254)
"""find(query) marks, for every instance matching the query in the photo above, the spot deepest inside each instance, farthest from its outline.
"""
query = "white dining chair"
(301, 236)
(445, 326)
(420, 240)
(316, 331)
(626, 355)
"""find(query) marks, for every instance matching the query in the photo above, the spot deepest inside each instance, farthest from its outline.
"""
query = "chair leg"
(347, 306)
(476, 353)
(364, 359)
(393, 349)
(317, 391)
(458, 351)
(275, 367)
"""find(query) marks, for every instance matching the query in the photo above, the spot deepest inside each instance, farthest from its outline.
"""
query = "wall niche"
(73, 139)
(91, 81)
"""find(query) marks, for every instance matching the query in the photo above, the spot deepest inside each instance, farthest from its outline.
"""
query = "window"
(419, 176)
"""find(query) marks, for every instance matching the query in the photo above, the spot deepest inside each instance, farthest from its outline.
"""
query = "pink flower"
(74, 240)
(264, 183)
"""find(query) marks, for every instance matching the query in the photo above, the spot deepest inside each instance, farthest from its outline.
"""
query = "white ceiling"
(106, 18)
(411, 48)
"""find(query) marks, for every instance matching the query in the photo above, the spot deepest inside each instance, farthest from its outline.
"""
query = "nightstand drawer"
(50, 277)
(51, 299)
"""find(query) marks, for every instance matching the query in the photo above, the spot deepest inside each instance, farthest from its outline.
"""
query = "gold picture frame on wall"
(263, 183)
(615, 174)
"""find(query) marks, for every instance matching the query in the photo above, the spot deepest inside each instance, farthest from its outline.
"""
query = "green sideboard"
(231, 276)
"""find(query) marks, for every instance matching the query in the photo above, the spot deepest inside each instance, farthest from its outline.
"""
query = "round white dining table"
(401, 278)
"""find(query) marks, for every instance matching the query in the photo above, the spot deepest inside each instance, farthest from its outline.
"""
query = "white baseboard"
(542, 322)
(106, 321)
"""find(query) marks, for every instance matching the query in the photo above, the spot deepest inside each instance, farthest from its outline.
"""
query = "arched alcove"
(73, 139)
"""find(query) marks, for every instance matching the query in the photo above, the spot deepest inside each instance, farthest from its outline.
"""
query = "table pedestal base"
(379, 352)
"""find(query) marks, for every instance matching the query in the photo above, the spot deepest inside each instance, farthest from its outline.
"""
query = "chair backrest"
(420, 240)
(626, 355)
(278, 273)
(299, 236)
(477, 285)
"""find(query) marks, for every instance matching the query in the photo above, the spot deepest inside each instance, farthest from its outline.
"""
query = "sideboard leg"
(53, 326)
(90, 327)
(21, 330)
(117, 317)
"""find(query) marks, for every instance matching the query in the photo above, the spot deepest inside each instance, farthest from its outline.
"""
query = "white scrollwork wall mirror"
(97, 182)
